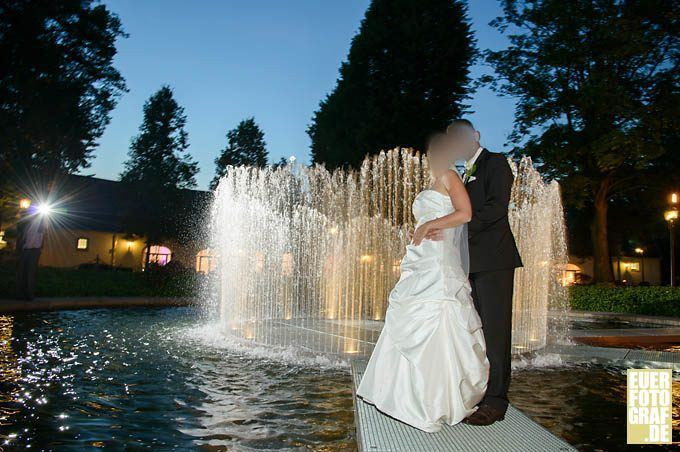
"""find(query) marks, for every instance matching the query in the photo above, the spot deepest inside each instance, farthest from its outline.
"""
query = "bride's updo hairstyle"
(438, 154)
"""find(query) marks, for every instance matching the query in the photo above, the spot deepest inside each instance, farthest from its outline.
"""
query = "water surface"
(144, 378)
(165, 379)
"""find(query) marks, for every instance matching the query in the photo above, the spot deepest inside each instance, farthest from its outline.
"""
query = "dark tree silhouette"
(281, 163)
(245, 146)
(157, 170)
(598, 99)
(406, 76)
(57, 87)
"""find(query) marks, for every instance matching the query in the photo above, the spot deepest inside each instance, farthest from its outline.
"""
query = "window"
(159, 255)
(632, 266)
(206, 261)
(83, 243)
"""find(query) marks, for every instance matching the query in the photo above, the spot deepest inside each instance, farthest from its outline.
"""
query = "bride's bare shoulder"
(451, 178)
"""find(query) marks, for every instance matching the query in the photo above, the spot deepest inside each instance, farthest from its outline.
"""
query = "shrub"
(653, 300)
(92, 282)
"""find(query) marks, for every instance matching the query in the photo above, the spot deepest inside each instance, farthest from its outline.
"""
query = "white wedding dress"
(429, 365)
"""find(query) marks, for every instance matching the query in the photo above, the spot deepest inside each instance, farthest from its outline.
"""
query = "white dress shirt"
(474, 158)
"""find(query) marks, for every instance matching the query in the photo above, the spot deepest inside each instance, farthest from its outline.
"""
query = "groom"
(493, 259)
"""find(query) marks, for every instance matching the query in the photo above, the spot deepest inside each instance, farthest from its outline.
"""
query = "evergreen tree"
(597, 90)
(281, 163)
(57, 87)
(245, 146)
(157, 170)
(406, 76)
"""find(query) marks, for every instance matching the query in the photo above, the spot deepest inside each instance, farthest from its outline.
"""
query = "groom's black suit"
(493, 259)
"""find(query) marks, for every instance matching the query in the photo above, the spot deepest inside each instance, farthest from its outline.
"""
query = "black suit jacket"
(492, 245)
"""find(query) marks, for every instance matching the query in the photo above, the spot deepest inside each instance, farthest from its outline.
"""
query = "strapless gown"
(429, 365)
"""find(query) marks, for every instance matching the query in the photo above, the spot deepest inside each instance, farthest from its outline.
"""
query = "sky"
(275, 60)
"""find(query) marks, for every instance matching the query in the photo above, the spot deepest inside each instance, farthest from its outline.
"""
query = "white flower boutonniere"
(468, 175)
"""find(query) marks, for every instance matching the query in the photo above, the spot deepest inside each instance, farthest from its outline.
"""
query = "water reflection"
(584, 404)
(128, 378)
(157, 378)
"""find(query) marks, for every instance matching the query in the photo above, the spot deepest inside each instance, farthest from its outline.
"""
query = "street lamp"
(671, 216)
(641, 252)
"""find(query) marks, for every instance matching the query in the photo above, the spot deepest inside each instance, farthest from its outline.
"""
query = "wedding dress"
(429, 365)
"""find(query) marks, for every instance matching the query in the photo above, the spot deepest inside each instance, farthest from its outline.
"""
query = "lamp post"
(641, 252)
(671, 216)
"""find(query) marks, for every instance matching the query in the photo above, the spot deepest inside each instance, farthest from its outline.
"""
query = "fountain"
(308, 257)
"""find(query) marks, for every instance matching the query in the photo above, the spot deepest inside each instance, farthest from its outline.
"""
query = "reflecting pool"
(146, 378)
(164, 378)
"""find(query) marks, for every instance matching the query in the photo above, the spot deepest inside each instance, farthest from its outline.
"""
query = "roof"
(90, 203)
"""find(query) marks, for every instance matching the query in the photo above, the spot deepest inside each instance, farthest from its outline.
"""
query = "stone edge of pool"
(617, 317)
(58, 303)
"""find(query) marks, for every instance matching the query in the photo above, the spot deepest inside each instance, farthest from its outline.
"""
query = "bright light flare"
(44, 209)
(24, 203)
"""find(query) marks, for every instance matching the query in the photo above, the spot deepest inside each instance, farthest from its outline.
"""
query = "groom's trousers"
(492, 295)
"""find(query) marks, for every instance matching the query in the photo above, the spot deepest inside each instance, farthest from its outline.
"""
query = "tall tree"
(157, 170)
(597, 90)
(406, 75)
(245, 146)
(57, 87)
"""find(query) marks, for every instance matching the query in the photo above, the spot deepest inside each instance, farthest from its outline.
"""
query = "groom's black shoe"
(485, 415)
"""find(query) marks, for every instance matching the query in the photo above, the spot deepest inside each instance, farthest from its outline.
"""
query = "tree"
(57, 87)
(158, 169)
(406, 75)
(281, 163)
(245, 146)
(596, 83)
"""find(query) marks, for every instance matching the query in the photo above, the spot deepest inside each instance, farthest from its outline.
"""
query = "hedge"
(72, 282)
(652, 300)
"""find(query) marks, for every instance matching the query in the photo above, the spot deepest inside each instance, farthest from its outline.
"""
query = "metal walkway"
(377, 432)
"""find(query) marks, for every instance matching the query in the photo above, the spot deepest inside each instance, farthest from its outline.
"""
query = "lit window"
(83, 243)
(206, 261)
(159, 255)
(632, 266)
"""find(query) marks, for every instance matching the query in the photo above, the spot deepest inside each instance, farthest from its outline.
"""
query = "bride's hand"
(421, 232)
(436, 235)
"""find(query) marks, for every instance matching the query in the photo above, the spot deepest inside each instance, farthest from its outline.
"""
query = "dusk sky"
(271, 59)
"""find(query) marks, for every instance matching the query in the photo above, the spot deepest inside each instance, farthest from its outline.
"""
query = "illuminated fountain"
(308, 257)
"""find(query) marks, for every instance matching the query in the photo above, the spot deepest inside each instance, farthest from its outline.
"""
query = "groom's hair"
(460, 122)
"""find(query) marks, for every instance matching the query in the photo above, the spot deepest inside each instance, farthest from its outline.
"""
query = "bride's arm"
(461, 203)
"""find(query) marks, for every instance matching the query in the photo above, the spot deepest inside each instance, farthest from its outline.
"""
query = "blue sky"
(231, 59)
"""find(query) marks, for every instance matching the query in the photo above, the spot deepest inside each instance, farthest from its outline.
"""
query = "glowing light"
(671, 215)
(44, 209)
(366, 259)
(674, 198)
(639, 251)
(287, 264)
(24, 203)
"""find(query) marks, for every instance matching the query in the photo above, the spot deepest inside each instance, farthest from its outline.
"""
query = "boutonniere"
(468, 175)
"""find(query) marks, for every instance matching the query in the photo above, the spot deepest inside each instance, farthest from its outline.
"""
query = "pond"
(164, 378)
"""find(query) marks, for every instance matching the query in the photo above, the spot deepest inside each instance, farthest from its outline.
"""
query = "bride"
(429, 365)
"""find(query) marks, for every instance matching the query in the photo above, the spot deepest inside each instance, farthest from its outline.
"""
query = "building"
(86, 228)
(631, 270)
